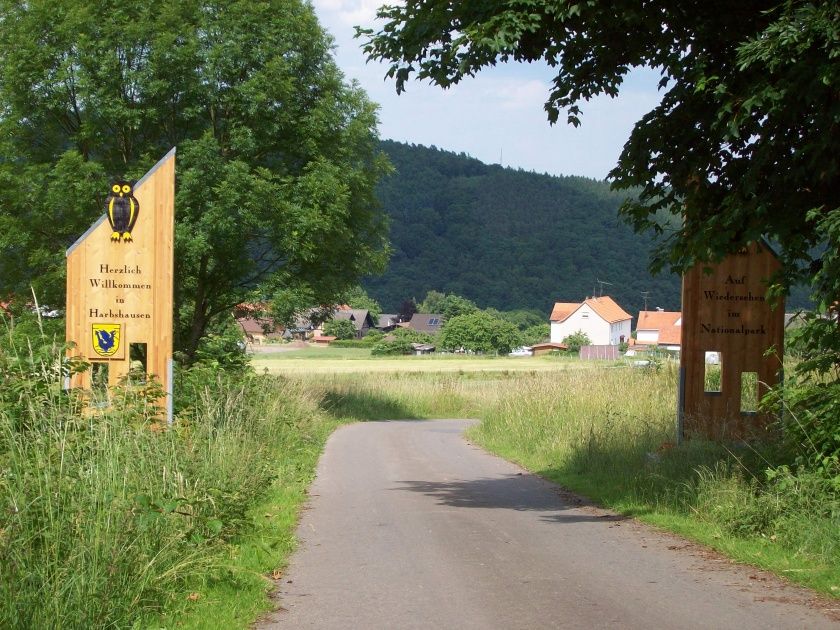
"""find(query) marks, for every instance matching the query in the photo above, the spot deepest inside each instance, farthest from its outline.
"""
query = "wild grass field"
(109, 518)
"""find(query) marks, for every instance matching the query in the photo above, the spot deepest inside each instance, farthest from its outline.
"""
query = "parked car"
(522, 351)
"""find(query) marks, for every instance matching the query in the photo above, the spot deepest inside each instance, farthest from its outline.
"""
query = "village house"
(256, 327)
(360, 318)
(387, 322)
(426, 322)
(259, 330)
(603, 321)
(659, 328)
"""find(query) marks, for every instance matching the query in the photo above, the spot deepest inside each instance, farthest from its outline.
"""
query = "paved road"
(409, 526)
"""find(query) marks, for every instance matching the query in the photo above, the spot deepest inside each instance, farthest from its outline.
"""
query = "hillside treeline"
(508, 239)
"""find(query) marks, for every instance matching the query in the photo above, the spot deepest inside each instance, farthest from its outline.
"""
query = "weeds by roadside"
(110, 519)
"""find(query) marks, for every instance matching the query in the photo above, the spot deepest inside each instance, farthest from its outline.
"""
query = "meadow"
(313, 360)
(109, 519)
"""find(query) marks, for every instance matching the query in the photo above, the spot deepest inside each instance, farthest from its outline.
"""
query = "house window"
(584, 315)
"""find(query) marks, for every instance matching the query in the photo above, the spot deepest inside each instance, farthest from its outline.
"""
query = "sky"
(497, 116)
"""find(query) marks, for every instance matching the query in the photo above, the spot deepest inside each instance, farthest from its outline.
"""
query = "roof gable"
(608, 309)
(358, 316)
(426, 322)
(562, 310)
(657, 320)
(605, 307)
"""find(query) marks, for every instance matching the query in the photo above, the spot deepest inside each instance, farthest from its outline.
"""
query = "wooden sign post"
(120, 280)
(732, 345)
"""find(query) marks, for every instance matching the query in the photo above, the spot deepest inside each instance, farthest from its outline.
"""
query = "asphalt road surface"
(410, 526)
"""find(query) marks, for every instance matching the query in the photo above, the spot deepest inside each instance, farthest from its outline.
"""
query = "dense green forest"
(507, 238)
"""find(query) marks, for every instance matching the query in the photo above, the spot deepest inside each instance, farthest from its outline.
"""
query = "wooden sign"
(732, 345)
(120, 279)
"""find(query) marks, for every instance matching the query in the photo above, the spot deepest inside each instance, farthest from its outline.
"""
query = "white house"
(659, 328)
(604, 321)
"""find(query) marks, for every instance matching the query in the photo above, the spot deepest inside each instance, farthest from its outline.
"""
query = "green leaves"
(479, 331)
(277, 156)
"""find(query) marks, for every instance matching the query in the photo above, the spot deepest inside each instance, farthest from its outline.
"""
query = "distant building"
(387, 322)
(259, 330)
(256, 326)
(426, 322)
(659, 328)
(604, 321)
(360, 318)
(546, 348)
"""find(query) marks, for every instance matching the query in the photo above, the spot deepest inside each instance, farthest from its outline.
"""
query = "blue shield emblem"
(106, 339)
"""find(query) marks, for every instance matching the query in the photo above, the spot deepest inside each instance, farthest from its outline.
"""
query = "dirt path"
(409, 526)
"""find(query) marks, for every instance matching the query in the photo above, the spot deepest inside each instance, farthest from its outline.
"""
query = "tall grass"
(402, 395)
(610, 435)
(108, 518)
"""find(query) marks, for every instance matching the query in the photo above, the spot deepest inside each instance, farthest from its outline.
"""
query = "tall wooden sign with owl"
(120, 281)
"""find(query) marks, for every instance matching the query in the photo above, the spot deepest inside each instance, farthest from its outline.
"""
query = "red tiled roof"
(665, 322)
(605, 307)
(655, 320)
(251, 307)
(670, 335)
(562, 310)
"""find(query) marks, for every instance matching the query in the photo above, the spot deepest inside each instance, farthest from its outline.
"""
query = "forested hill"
(508, 239)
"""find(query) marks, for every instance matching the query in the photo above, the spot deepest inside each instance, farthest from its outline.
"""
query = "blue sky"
(498, 114)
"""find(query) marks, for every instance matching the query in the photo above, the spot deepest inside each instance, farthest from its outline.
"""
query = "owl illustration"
(122, 209)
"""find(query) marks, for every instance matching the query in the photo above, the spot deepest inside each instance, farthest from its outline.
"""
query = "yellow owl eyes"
(115, 188)
(126, 188)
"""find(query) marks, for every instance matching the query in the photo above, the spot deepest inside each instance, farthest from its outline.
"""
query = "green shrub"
(108, 517)
(340, 329)
(395, 347)
(369, 340)
(576, 340)
(412, 336)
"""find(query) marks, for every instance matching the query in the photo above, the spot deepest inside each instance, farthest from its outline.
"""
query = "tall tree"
(479, 331)
(743, 145)
(744, 142)
(277, 155)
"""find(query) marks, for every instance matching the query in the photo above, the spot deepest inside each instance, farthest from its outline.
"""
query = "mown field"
(313, 360)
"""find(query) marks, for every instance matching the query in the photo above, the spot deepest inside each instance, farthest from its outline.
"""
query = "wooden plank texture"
(727, 312)
(127, 283)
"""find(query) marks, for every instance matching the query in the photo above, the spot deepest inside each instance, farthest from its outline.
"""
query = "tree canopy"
(449, 305)
(277, 155)
(744, 142)
(479, 331)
